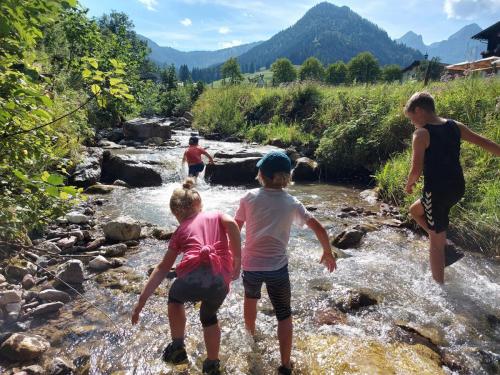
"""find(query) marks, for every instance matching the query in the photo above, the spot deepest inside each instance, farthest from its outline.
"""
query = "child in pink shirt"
(208, 265)
(192, 156)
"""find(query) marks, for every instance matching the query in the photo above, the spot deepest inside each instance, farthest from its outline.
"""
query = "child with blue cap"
(269, 213)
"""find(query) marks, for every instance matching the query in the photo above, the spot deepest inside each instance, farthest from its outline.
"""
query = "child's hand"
(409, 187)
(329, 261)
(135, 313)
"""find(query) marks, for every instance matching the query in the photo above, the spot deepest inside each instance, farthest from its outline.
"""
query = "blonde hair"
(280, 180)
(185, 200)
(422, 100)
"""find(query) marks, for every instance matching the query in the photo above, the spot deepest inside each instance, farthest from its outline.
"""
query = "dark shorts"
(438, 203)
(196, 169)
(278, 289)
(200, 285)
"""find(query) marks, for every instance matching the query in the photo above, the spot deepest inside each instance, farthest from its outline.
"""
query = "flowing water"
(392, 264)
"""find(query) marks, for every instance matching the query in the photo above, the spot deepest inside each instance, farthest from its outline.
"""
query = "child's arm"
(159, 273)
(469, 136)
(204, 152)
(419, 144)
(327, 258)
(233, 232)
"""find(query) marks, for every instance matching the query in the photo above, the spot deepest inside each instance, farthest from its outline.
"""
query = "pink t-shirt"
(193, 155)
(203, 240)
(268, 215)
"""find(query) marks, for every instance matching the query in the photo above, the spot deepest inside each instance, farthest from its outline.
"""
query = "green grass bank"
(361, 131)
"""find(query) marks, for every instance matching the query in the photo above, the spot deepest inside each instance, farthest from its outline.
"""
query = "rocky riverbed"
(66, 300)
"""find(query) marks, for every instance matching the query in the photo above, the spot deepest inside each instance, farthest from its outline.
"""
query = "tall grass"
(361, 130)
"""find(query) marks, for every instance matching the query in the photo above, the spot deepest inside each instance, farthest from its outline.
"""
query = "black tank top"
(442, 157)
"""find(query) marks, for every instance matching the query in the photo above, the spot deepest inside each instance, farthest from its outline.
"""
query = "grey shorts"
(200, 286)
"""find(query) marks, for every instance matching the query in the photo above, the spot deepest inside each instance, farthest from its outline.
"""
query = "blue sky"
(213, 24)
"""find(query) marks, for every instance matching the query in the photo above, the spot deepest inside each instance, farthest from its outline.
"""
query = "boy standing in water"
(436, 152)
(269, 213)
(192, 156)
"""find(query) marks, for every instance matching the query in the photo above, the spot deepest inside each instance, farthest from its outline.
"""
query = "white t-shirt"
(268, 215)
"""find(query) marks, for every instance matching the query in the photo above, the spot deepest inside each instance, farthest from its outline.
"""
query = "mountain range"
(457, 48)
(199, 59)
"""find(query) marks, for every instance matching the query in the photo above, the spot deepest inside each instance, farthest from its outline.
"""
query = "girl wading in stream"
(269, 213)
(436, 152)
(204, 273)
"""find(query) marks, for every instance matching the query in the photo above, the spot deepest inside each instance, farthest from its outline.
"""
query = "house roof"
(411, 66)
(488, 32)
(474, 65)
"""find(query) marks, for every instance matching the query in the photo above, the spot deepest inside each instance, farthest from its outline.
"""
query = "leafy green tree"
(391, 73)
(336, 73)
(283, 71)
(363, 68)
(433, 68)
(312, 69)
(231, 69)
(184, 74)
(169, 78)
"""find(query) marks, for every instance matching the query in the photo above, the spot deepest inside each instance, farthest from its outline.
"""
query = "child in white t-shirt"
(269, 213)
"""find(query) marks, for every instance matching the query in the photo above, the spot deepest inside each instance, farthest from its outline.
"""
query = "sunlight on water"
(390, 264)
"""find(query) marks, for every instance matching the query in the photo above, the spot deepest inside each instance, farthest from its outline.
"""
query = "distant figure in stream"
(192, 156)
(269, 213)
(211, 245)
(436, 153)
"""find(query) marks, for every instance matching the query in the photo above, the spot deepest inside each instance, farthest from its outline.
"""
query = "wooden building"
(491, 36)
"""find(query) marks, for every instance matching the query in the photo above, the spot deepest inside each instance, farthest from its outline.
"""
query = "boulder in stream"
(88, 170)
(100, 189)
(123, 228)
(144, 128)
(100, 263)
(71, 272)
(46, 308)
(134, 173)
(54, 295)
(234, 167)
(22, 347)
(305, 170)
(61, 366)
(348, 238)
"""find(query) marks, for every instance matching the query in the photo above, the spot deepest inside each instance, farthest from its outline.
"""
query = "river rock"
(162, 234)
(134, 173)
(34, 370)
(305, 170)
(28, 281)
(181, 123)
(61, 366)
(121, 183)
(71, 272)
(46, 308)
(330, 317)
(99, 263)
(292, 154)
(335, 354)
(123, 228)
(369, 195)
(49, 246)
(117, 250)
(54, 295)
(233, 168)
(100, 189)
(348, 238)
(66, 243)
(22, 347)
(97, 243)
(352, 300)
(144, 128)
(10, 296)
(12, 307)
(88, 171)
(124, 278)
(15, 272)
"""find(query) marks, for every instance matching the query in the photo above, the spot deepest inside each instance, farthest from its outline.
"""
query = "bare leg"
(285, 333)
(212, 341)
(176, 320)
(437, 245)
(250, 314)
(418, 214)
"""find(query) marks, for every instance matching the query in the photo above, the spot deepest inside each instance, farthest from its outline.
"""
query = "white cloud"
(470, 9)
(231, 43)
(224, 30)
(186, 22)
(150, 4)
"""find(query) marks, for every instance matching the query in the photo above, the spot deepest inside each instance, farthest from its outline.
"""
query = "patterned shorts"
(438, 203)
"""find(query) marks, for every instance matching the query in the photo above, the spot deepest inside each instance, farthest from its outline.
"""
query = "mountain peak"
(466, 31)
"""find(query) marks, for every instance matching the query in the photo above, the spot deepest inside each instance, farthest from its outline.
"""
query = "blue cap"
(274, 162)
